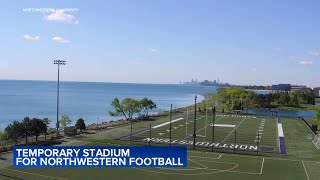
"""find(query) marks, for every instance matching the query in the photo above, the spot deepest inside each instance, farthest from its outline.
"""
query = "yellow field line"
(35, 174)
(305, 170)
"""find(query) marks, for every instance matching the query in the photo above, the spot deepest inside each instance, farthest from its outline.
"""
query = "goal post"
(204, 128)
(203, 118)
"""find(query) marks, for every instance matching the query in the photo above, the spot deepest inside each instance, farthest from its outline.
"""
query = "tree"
(294, 100)
(127, 107)
(3, 136)
(318, 117)
(284, 99)
(118, 108)
(37, 126)
(146, 105)
(26, 123)
(65, 121)
(47, 122)
(14, 131)
(80, 124)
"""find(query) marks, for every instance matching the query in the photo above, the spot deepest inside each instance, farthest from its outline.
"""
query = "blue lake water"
(285, 113)
(88, 100)
(91, 100)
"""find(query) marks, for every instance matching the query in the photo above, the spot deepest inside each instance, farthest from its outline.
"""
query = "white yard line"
(233, 130)
(224, 125)
(280, 130)
(163, 124)
(262, 166)
(305, 170)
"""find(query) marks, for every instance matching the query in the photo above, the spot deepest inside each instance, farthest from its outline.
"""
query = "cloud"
(254, 69)
(306, 62)
(31, 38)
(153, 50)
(59, 39)
(314, 53)
(278, 49)
(61, 16)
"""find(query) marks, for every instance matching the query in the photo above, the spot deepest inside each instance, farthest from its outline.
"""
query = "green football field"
(231, 132)
(302, 161)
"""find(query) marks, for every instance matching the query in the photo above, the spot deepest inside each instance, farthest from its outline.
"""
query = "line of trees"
(127, 107)
(255, 87)
(34, 127)
(237, 98)
(27, 127)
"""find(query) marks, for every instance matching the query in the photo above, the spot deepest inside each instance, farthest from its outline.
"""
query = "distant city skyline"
(162, 42)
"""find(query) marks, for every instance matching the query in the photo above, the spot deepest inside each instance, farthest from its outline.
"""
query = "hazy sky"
(163, 41)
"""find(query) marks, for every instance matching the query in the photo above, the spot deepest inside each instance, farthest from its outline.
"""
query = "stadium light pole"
(58, 62)
(213, 121)
(170, 123)
(194, 122)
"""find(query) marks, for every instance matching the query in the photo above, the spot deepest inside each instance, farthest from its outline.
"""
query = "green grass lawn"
(301, 163)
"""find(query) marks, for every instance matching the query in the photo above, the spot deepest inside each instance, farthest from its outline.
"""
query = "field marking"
(35, 174)
(206, 157)
(163, 124)
(206, 167)
(262, 166)
(312, 133)
(280, 159)
(216, 170)
(233, 130)
(305, 170)
(223, 125)
(202, 128)
(244, 172)
(222, 162)
(207, 153)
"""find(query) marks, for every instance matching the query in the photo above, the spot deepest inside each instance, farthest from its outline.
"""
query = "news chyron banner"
(99, 156)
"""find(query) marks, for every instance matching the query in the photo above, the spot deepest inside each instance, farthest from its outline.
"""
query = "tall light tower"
(195, 122)
(58, 62)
